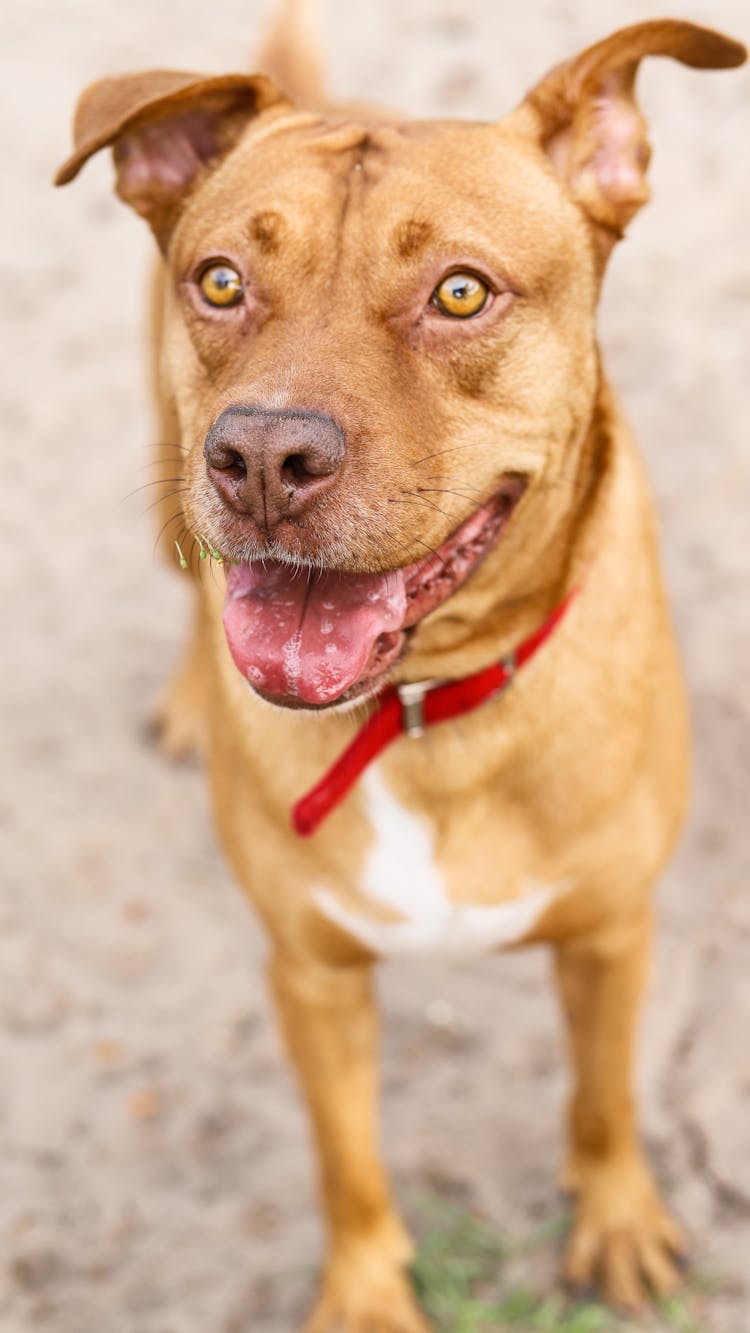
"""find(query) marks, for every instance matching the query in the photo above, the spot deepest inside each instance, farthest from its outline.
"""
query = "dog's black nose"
(271, 464)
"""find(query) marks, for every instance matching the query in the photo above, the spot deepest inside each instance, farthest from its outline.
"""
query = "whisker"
(454, 448)
(162, 499)
(162, 460)
(174, 518)
(456, 482)
(160, 481)
(514, 435)
(384, 531)
(447, 490)
(432, 550)
(430, 503)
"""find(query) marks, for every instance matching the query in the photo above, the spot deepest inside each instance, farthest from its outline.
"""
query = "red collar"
(407, 710)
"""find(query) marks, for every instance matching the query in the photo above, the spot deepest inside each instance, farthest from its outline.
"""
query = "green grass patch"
(463, 1276)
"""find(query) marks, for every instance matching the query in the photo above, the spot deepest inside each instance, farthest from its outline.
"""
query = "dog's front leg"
(622, 1235)
(329, 1022)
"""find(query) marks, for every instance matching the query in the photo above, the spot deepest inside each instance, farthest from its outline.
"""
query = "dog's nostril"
(237, 467)
(295, 468)
(229, 461)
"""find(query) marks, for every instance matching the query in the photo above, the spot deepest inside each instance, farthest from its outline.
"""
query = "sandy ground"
(155, 1176)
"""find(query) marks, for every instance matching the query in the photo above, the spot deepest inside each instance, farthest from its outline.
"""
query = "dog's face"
(406, 353)
(379, 344)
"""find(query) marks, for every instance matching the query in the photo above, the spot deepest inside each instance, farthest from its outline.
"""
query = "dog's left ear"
(165, 128)
(585, 116)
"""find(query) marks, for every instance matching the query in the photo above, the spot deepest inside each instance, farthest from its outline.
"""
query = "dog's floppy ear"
(585, 116)
(165, 127)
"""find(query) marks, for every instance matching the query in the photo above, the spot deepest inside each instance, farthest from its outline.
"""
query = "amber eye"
(221, 285)
(461, 295)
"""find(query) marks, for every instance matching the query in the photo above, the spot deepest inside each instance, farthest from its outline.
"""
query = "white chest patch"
(401, 873)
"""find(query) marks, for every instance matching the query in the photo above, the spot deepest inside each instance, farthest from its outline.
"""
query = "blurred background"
(154, 1175)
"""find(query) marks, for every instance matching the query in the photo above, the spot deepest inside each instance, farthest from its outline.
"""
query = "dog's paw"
(365, 1291)
(388, 1308)
(623, 1239)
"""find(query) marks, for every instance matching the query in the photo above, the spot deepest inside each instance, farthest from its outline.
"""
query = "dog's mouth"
(316, 637)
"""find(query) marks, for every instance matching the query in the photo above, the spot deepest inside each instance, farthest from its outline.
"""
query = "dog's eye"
(460, 295)
(221, 285)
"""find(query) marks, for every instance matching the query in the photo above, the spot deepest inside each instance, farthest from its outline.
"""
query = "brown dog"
(379, 358)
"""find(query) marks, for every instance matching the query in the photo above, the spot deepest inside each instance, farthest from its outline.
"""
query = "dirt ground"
(155, 1176)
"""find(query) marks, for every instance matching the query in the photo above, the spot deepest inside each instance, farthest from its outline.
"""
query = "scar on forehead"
(411, 238)
(266, 229)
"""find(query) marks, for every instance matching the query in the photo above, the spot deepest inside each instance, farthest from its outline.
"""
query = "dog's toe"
(355, 1307)
(623, 1239)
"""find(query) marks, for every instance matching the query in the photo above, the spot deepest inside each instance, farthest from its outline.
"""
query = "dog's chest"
(402, 873)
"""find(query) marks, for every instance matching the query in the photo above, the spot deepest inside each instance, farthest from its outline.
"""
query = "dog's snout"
(272, 463)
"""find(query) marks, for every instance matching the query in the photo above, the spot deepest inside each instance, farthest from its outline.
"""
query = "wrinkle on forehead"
(322, 191)
(353, 155)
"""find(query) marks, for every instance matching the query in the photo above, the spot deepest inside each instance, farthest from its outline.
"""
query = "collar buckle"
(411, 696)
(509, 663)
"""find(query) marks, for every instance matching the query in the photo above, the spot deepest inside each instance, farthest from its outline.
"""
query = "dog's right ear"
(165, 128)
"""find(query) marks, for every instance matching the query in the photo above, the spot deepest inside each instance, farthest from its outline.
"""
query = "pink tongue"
(308, 634)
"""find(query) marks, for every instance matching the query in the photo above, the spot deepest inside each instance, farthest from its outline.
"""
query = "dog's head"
(379, 344)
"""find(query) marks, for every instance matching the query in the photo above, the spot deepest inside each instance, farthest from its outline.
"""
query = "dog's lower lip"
(327, 639)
